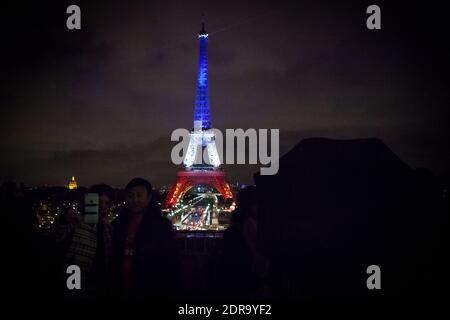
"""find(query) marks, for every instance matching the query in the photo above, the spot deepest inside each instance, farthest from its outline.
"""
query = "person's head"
(105, 198)
(138, 194)
(246, 206)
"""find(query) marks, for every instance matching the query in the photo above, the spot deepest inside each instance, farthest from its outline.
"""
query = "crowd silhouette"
(311, 231)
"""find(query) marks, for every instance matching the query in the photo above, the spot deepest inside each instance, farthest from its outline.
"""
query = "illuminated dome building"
(72, 184)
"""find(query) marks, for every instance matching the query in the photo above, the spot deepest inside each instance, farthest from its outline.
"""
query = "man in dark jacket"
(242, 268)
(144, 262)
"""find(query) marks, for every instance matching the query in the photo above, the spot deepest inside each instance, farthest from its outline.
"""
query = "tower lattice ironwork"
(201, 137)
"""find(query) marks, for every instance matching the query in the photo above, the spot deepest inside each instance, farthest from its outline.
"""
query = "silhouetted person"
(89, 244)
(242, 269)
(145, 260)
(20, 253)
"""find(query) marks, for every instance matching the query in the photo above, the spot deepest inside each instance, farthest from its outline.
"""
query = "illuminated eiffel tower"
(201, 138)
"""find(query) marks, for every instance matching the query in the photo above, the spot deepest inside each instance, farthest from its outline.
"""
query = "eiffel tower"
(201, 137)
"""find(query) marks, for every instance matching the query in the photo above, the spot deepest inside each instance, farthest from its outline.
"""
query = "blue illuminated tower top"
(202, 120)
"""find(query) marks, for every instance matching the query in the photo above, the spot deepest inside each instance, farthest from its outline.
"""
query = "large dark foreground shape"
(337, 206)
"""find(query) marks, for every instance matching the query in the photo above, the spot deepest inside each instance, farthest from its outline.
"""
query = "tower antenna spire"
(203, 31)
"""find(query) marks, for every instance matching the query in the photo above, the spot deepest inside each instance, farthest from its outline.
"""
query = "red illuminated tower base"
(187, 179)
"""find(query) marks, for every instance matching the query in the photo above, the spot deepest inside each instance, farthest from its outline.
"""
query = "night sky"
(100, 103)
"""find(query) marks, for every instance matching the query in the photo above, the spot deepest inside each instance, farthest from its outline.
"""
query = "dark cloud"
(101, 102)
